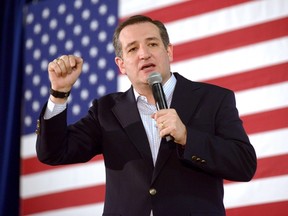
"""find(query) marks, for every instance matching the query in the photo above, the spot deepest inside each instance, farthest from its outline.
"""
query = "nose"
(144, 53)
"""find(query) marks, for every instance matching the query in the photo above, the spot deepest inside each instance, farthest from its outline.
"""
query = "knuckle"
(63, 56)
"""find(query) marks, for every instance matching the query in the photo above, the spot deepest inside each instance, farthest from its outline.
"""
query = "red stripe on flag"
(264, 121)
(269, 209)
(188, 9)
(71, 198)
(266, 167)
(254, 78)
(230, 40)
(33, 165)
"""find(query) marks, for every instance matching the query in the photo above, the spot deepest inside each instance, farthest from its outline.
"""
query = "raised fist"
(64, 71)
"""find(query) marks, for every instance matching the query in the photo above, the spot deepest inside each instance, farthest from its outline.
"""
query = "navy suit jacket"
(184, 181)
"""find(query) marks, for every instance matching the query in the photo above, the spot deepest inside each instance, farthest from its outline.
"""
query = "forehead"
(138, 32)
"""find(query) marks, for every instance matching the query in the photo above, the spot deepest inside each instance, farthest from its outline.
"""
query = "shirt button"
(152, 191)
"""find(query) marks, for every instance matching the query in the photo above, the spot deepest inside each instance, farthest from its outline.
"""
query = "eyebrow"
(130, 44)
(147, 39)
(152, 38)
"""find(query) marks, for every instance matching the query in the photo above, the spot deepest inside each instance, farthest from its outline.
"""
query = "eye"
(132, 49)
(153, 44)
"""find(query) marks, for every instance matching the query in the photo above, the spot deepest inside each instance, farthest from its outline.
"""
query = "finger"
(53, 67)
(57, 66)
(75, 62)
(164, 132)
(162, 122)
(62, 66)
(66, 61)
(161, 115)
(70, 67)
(161, 125)
(79, 60)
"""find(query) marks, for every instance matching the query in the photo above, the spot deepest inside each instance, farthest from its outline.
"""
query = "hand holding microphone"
(168, 119)
(155, 81)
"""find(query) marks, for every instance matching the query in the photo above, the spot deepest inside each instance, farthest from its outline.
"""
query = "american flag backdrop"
(238, 44)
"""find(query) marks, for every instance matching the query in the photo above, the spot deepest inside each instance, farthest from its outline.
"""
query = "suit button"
(203, 161)
(152, 191)
(194, 157)
(38, 127)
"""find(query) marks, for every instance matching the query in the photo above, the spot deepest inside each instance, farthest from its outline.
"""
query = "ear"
(170, 52)
(120, 63)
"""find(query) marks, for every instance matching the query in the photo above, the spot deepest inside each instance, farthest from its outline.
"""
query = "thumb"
(79, 60)
(75, 62)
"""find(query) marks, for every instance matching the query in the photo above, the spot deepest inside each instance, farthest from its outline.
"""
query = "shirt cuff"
(53, 109)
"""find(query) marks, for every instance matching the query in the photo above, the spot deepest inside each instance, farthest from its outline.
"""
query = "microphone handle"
(159, 96)
(160, 100)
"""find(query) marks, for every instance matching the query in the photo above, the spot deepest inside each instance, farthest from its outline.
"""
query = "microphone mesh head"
(153, 78)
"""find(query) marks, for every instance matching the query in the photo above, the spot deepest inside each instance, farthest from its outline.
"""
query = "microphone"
(155, 81)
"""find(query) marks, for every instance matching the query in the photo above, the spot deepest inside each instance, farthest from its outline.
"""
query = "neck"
(147, 92)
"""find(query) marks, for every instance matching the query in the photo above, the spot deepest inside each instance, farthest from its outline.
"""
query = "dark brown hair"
(134, 20)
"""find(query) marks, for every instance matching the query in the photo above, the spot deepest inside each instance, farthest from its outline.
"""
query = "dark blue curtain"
(10, 104)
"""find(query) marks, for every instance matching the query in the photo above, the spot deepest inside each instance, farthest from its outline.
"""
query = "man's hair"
(134, 20)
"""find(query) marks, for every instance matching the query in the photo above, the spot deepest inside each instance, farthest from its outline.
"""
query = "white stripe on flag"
(262, 98)
(270, 143)
(131, 7)
(28, 146)
(257, 191)
(84, 210)
(63, 179)
(227, 19)
(235, 60)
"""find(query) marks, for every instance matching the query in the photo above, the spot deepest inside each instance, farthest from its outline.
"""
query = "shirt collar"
(168, 89)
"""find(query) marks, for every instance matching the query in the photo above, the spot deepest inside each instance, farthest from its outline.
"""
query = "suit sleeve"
(59, 144)
(218, 144)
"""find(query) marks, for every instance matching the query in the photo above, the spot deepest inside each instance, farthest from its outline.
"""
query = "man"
(145, 174)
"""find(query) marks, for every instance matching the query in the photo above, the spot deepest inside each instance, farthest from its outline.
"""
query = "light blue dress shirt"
(146, 110)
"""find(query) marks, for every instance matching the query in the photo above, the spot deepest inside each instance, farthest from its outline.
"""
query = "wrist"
(58, 100)
(59, 94)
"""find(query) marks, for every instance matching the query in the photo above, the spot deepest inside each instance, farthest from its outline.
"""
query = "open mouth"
(147, 66)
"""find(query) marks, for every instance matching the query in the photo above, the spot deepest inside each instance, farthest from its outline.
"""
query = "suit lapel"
(185, 98)
(185, 101)
(127, 114)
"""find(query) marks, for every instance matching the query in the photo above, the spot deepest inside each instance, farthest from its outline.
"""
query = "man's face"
(143, 52)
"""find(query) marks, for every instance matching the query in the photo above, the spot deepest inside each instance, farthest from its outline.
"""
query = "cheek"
(167, 61)
(130, 65)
